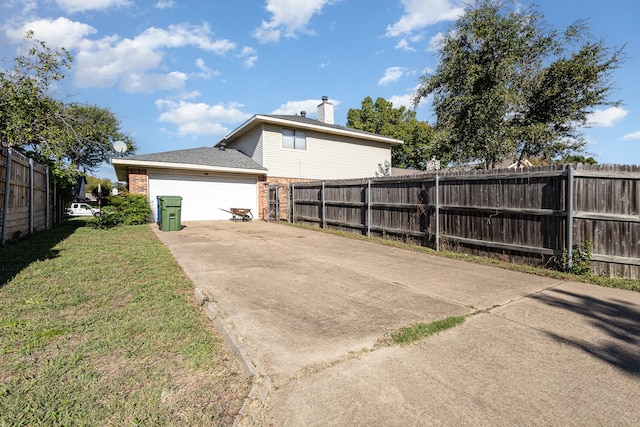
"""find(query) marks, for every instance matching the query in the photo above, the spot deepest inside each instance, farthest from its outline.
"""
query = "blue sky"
(182, 74)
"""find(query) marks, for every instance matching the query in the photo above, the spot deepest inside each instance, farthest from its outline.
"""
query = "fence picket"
(528, 216)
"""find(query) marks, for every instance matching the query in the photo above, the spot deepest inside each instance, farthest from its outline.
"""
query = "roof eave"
(309, 126)
(121, 165)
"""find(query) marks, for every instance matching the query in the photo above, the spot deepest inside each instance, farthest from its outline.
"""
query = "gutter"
(321, 128)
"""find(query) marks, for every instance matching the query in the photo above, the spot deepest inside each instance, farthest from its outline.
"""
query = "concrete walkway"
(305, 311)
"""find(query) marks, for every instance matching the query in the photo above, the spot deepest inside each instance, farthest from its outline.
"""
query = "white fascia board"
(309, 126)
(186, 166)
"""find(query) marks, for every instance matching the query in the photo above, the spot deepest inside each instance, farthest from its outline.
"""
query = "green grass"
(610, 282)
(409, 334)
(100, 327)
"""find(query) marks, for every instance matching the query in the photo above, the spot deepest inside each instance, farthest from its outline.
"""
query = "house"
(265, 150)
(80, 189)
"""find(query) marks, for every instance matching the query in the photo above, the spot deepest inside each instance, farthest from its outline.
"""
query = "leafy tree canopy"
(104, 184)
(509, 87)
(68, 137)
(577, 158)
(382, 118)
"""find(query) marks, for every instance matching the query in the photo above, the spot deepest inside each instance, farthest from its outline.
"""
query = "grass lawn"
(100, 327)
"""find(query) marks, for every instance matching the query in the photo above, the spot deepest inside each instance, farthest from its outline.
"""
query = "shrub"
(581, 255)
(125, 209)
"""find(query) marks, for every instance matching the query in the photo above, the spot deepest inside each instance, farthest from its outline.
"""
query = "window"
(294, 139)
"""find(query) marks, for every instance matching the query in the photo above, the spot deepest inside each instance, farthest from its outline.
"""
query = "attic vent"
(303, 113)
(222, 146)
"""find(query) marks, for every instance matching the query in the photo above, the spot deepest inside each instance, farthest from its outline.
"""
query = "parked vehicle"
(81, 209)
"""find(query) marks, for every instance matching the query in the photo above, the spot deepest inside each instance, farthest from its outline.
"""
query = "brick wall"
(283, 194)
(138, 181)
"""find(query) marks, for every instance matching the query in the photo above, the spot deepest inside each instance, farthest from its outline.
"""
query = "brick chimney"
(325, 111)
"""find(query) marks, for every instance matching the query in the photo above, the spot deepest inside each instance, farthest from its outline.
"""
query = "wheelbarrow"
(239, 214)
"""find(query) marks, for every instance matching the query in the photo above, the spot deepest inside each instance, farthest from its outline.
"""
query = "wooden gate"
(277, 198)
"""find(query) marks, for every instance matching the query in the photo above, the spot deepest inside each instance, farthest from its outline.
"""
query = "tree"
(26, 109)
(83, 136)
(68, 137)
(577, 159)
(105, 185)
(400, 123)
(507, 86)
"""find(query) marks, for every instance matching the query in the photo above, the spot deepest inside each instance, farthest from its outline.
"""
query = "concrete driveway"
(305, 311)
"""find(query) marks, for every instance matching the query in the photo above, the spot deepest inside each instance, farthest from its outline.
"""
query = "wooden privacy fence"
(28, 199)
(530, 216)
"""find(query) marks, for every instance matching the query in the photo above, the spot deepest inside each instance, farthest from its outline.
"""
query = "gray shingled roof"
(203, 156)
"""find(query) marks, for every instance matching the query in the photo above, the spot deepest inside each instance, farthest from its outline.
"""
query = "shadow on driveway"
(618, 320)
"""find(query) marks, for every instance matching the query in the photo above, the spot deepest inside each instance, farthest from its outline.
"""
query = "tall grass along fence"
(543, 216)
(28, 199)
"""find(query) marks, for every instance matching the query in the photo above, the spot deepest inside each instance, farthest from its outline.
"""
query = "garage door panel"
(203, 197)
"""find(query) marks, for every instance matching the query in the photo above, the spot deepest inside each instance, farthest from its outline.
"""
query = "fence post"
(369, 208)
(5, 205)
(47, 200)
(293, 202)
(30, 210)
(57, 216)
(437, 213)
(277, 201)
(569, 209)
(324, 212)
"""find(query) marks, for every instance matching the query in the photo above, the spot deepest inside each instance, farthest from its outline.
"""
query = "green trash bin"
(170, 213)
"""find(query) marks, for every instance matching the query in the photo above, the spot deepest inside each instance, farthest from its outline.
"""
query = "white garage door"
(204, 196)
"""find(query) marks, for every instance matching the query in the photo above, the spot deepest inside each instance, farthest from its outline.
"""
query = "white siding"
(204, 196)
(326, 156)
(251, 144)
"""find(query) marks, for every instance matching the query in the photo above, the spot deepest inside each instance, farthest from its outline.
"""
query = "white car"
(81, 209)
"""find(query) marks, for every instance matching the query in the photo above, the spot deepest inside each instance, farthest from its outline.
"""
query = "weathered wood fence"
(530, 216)
(28, 199)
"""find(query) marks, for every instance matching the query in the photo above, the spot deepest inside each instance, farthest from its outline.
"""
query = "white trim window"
(294, 139)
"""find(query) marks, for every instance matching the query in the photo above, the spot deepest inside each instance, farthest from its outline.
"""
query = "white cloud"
(71, 6)
(184, 35)
(296, 107)
(404, 42)
(250, 56)
(392, 74)
(606, 118)
(402, 100)
(150, 83)
(165, 4)
(205, 72)
(422, 13)
(435, 42)
(106, 61)
(404, 45)
(406, 100)
(635, 136)
(24, 6)
(289, 17)
(60, 32)
(200, 118)
(113, 60)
